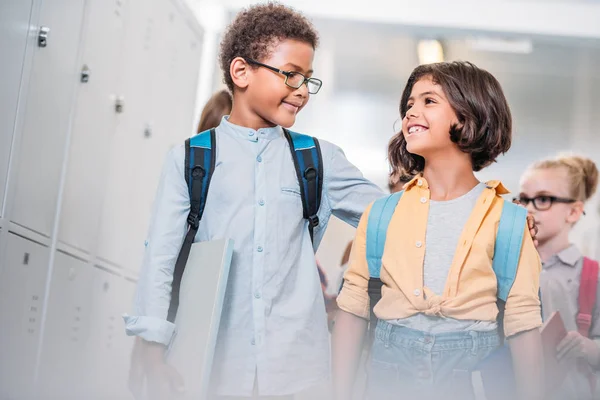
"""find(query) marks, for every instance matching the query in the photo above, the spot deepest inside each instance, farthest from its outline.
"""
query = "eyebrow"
(297, 68)
(428, 93)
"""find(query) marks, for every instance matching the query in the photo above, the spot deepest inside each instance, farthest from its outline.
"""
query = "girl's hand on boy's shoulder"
(533, 228)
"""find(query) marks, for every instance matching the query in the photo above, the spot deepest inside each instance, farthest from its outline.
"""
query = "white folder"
(198, 317)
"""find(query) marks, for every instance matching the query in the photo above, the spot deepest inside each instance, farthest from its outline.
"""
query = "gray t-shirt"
(445, 224)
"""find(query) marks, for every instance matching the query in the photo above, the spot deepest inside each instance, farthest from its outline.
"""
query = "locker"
(46, 117)
(22, 284)
(14, 23)
(109, 349)
(67, 329)
(152, 83)
(115, 243)
(94, 122)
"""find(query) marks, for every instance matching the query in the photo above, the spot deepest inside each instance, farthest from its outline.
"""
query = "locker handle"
(43, 36)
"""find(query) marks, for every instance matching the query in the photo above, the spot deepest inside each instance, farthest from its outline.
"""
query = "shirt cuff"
(521, 322)
(354, 303)
(151, 329)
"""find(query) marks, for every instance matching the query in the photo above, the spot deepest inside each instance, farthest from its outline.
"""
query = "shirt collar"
(249, 133)
(568, 256)
(419, 181)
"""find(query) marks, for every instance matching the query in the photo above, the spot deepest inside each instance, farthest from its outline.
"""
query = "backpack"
(200, 158)
(507, 251)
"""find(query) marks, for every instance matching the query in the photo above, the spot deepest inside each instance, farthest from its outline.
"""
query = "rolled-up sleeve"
(523, 312)
(167, 230)
(354, 297)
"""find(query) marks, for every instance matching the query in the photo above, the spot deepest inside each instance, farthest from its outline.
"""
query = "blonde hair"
(581, 171)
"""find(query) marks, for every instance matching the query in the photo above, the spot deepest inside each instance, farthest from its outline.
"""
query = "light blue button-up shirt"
(274, 327)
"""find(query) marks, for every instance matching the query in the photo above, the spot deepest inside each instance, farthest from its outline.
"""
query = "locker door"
(109, 348)
(14, 24)
(94, 123)
(62, 372)
(116, 242)
(22, 283)
(46, 116)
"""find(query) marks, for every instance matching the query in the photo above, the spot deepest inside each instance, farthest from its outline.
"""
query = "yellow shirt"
(470, 290)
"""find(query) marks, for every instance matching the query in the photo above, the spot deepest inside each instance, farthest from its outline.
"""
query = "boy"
(273, 338)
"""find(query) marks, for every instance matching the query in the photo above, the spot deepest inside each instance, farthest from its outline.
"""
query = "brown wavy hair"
(480, 106)
(215, 108)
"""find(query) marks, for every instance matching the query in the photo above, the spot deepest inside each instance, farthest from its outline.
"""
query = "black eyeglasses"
(543, 202)
(293, 79)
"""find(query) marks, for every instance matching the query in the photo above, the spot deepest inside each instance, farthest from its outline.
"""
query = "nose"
(302, 91)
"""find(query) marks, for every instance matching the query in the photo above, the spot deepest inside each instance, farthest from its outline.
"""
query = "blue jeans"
(411, 364)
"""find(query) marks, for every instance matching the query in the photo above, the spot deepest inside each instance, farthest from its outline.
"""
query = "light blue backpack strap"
(379, 219)
(507, 251)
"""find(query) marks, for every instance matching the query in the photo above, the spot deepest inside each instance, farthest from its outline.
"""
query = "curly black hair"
(256, 30)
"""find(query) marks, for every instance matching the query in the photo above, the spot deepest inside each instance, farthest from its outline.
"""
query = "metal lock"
(119, 104)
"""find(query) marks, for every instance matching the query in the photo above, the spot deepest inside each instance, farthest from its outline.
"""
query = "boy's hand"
(574, 345)
(148, 365)
(533, 229)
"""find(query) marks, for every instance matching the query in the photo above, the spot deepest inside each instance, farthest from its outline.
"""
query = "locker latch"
(119, 103)
(85, 74)
(43, 36)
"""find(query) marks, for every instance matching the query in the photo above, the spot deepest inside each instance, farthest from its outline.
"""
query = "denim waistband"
(400, 336)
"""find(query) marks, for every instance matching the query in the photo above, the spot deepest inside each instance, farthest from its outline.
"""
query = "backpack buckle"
(198, 172)
(313, 221)
(194, 221)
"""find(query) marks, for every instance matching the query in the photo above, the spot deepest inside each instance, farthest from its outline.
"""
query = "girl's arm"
(348, 338)
(528, 364)
(522, 318)
(352, 317)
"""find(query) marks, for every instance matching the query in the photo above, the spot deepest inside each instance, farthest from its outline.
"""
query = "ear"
(240, 72)
(575, 212)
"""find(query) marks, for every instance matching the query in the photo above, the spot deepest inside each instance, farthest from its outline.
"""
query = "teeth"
(416, 128)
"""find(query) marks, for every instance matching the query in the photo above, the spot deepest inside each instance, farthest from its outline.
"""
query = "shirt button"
(259, 249)
(416, 292)
(420, 182)
(257, 295)
(423, 200)
(419, 244)
(261, 202)
(259, 159)
(251, 133)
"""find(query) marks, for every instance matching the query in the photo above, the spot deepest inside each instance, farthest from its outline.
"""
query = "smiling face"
(428, 120)
(263, 93)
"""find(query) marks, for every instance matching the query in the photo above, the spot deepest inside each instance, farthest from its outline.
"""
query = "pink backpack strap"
(588, 286)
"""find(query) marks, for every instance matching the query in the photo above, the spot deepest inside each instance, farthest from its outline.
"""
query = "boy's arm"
(522, 318)
(166, 233)
(347, 191)
(351, 320)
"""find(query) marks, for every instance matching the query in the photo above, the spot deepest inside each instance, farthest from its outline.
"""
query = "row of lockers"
(98, 107)
(84, 352)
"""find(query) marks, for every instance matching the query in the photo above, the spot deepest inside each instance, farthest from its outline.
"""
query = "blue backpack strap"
(377, 226)
(308, 162)
(507, 250)
(199, 168)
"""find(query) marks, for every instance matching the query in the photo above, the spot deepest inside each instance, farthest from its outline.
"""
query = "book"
(198, 317)
(553, 332)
